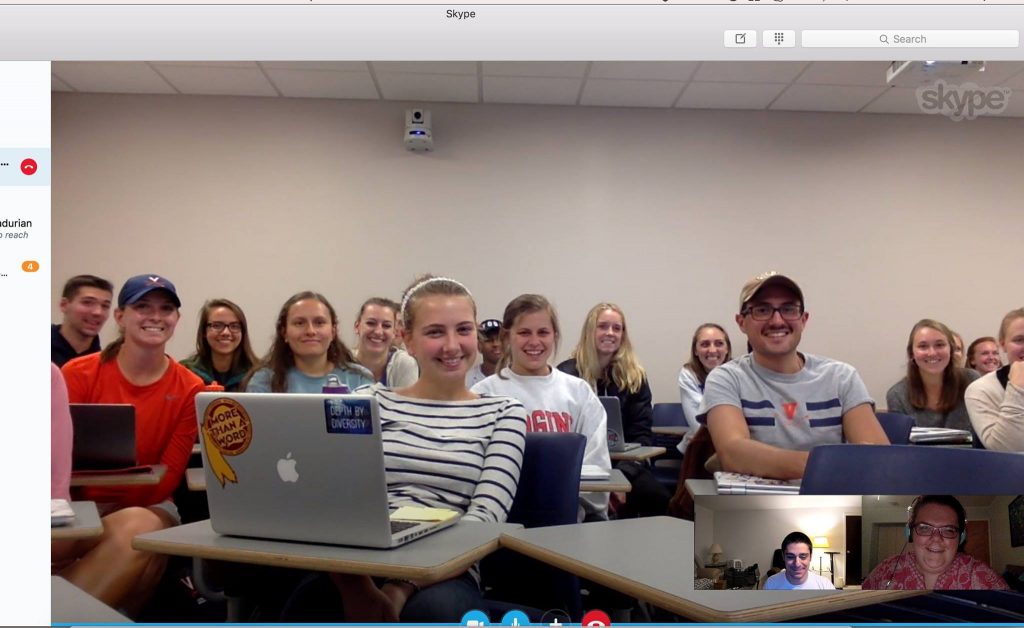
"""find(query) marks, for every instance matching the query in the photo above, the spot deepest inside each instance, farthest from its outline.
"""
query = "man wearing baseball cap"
(767, 409)
(489, 343)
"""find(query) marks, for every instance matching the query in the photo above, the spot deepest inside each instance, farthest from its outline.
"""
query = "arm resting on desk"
(861, 426)
(739, 453)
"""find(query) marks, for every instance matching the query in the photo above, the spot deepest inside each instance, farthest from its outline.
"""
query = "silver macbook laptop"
(300, 467)
(616, 436)
(104, 436)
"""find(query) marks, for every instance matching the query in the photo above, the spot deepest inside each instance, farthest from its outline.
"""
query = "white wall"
(882, 219)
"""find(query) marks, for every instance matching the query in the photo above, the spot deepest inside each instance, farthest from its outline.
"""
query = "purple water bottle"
(334, 386)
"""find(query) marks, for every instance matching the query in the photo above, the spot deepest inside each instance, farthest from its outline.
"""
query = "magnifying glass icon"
(884, 39)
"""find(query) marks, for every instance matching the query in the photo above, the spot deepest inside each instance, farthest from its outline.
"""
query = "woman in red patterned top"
(936, 532)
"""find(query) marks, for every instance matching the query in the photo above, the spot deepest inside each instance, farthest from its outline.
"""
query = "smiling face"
(225, 341)
(490, 349)
(934, 554)
(985, 358)
(86, 311)
(150, 321)
(375, 329)
(1013, 340)
(798, 562)
(308, 330)
(443, 338)
(958, 350)
(775, 338)
(931, 351)
(608, 333)
(711, 347)
(532, 340)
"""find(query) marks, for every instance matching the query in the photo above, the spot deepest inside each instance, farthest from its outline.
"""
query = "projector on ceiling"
(918, 73)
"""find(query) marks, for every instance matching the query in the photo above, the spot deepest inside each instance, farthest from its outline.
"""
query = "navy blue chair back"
(666, 414)
(911, 470)
(897, 426)
(548, 495)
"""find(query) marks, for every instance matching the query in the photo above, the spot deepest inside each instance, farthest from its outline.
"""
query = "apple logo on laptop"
(286, 469)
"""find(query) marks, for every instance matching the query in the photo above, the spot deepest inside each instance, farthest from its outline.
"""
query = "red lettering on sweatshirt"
(549, 421)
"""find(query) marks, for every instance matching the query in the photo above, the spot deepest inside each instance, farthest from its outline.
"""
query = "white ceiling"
(837, 86)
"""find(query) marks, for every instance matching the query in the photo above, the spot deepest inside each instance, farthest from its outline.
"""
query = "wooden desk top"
(651, 559)
(701, 487)
(670, 430)
(616, 482)
(120, 479)
(432, 558)
(71, 605)
(87, 523)
(638, 454)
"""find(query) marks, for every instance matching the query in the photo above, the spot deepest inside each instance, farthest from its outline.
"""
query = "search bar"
(907, 38)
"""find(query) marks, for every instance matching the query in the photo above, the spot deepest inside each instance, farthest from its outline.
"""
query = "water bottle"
(334, 386)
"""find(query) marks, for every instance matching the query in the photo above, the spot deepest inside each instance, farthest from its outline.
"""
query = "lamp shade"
(821, 541)
(716, 548)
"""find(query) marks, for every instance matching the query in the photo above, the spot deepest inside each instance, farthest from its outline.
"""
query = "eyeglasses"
(218, 327)
(946, 532)
(763, 311)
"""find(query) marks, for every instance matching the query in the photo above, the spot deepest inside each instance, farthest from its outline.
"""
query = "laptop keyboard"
(400, 526)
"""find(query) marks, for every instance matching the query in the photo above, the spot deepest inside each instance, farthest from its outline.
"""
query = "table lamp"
(716, 553)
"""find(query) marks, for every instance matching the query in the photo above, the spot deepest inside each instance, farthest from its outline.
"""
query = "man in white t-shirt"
(796, 552)
(489, 343)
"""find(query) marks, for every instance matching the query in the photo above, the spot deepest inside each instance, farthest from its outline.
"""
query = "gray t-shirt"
(792, 411)
(898, 400)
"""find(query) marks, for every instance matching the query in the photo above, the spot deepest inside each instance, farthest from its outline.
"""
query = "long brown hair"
(624, 368)
(953, 381)
(280, 357)
(243, 358)
(694, 364)
(523, 304)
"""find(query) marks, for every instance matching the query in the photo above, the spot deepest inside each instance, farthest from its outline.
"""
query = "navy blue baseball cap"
(141, 285)
(489, 327)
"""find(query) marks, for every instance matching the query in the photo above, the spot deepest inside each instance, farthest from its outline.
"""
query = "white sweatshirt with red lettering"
(558, 402)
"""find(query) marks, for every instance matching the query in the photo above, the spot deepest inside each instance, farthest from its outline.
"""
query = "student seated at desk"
(604, 359)
(983, 355)
(933, 390)
(444, 447)
(223, 353)
(709, 348)
(797, 553)
(375, 332)
(554, 401)
(766, 410)
(306, 351)
(936, 532)
(995, 402)
(134, 369)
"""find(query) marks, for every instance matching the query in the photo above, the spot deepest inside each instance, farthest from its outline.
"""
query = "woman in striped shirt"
(444, 447)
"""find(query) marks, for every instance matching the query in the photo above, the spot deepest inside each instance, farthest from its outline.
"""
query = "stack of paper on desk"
(939, 435)
(741, 484)
(61, 513)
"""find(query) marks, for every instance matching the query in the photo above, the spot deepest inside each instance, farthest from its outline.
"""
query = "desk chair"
(664, 415)
(668, 414)
(897, 426)
(548, 495)
(910, 470)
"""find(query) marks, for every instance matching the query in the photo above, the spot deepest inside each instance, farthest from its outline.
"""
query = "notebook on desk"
(616, 435)
(104, 437)
(729, 483)
(303, 467)
(938, 436)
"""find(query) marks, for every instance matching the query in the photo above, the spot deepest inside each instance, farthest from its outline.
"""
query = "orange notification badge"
(30, 266)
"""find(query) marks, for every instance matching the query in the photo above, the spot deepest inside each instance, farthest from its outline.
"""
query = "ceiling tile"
(749, 71)
(655, 70)
(622, 93)
(849, 98)
(322, 84)
(432, 87)
(340, 66)
(895, 100)
(426, 67)
(531, 90)
(558, 69)
(210, 64)
(845, 73)
(221, 81)
(58, 85)
(729, 95)
(999, 73)
(1017, 80)
(124, 77)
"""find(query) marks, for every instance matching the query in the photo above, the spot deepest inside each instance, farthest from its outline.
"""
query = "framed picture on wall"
(1017, 522)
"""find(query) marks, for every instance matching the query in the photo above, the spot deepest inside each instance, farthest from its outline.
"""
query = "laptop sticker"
(348, 416)
(227, 431)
